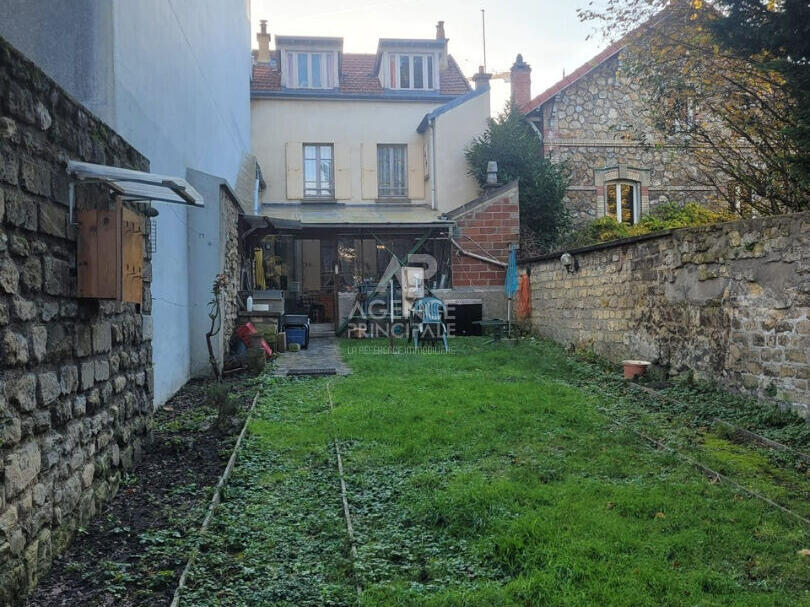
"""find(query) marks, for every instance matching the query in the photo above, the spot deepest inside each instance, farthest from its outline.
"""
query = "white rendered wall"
(182, 74)
(173, 78)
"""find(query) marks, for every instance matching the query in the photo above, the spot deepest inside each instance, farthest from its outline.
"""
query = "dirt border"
(215, 500)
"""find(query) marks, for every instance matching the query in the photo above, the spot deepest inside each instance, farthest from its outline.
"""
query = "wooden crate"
(110, 254)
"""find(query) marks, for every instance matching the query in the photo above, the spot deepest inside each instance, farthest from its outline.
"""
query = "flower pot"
(635, 368)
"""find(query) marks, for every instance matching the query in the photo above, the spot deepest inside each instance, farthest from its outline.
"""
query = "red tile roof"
(357, 76)
(595, 62)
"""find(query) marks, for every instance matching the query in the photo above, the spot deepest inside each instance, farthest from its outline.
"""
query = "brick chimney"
(264, 43)
(521, 80)
(440, 31)
(481, 79)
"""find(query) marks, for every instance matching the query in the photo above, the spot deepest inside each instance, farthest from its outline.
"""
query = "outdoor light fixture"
(570, 262)
(492, 173)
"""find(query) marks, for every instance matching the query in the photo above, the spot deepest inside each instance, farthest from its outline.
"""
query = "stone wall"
(594, 126)
(231, 263)
(75, 384)
(729, 302)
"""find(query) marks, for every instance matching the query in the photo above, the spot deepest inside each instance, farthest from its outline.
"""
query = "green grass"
(493, 476)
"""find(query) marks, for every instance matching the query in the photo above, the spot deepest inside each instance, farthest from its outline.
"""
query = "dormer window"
(310, 70)
(413, 72)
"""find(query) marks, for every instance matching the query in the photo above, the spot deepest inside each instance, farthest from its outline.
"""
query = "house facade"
(363, 160)
(597, 122)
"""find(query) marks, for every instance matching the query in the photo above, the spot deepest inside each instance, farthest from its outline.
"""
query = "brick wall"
(730, 302)
(486, 227)
(75, 384)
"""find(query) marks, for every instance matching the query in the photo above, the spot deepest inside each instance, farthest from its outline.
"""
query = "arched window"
(623, 201)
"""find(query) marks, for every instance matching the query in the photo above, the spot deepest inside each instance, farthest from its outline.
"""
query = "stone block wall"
(730, 302)
(231, 264)
(486, 227)
(75, 381)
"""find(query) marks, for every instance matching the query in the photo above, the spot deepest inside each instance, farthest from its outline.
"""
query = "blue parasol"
(510, 286)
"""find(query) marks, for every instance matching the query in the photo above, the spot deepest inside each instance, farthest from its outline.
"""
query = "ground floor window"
(623, 201)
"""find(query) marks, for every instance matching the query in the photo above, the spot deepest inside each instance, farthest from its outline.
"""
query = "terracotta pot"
(635, 368)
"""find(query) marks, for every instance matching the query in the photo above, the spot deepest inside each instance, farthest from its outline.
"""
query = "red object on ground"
(523, 301)
(246, 332)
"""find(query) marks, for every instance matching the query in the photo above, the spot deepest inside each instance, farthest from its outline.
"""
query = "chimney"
(521, 79)
(264, 43)
(481, 79)
(440, 31)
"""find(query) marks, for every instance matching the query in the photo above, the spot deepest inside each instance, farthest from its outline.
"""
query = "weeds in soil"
(504, 476)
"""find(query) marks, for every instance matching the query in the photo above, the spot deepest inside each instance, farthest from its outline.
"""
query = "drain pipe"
(433, 202)
(256, 198)
(491, 260)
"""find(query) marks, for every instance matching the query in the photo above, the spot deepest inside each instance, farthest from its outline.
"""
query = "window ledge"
(394, 199)
(317, 199)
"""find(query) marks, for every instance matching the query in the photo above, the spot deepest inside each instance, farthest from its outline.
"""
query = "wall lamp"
(570, 262)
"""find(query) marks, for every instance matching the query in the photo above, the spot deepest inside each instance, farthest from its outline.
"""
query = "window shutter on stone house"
(295, 177)
(343, 174)
(369, 155)
(416, 171)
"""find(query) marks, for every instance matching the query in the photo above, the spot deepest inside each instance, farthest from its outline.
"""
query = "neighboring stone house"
(363, 157)
(595, 120)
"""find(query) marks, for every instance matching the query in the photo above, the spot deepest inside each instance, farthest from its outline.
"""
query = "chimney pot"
(521, 82)
(263, 56)
(481, 79)
(440, 31)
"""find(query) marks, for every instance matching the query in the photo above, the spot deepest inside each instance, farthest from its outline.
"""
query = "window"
(319, 171)
(310, 70)
(411, 71)
(392, 171)
(622, 201)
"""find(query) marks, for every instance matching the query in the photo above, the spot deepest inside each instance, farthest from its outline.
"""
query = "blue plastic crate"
(297, 335)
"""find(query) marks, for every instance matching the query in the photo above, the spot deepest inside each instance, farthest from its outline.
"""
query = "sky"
(547, 32)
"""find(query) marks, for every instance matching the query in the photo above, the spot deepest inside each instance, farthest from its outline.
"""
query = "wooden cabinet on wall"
(110, 254)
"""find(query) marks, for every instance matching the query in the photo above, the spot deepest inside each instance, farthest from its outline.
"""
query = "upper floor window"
(411, 71)
(319, 171)
(622, 201)
(392, 171)
(310, 70)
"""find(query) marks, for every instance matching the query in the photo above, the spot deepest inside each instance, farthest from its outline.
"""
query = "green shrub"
(667, 216)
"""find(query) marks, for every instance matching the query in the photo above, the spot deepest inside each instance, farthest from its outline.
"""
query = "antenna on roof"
(484, 37)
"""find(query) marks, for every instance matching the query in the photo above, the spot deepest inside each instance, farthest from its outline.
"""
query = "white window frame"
(404, 193)
(636, 198)
(291, 64)
(394, 79)
(319, 185)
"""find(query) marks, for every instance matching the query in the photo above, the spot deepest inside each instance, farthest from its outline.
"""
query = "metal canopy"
(330, 216)
(134, 185)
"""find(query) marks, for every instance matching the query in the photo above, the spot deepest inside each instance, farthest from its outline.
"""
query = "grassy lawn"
(494, 476)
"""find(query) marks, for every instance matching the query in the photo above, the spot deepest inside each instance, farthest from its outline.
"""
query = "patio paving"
(323, 353)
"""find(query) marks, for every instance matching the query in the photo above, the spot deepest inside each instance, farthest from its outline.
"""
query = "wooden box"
(110, 254)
